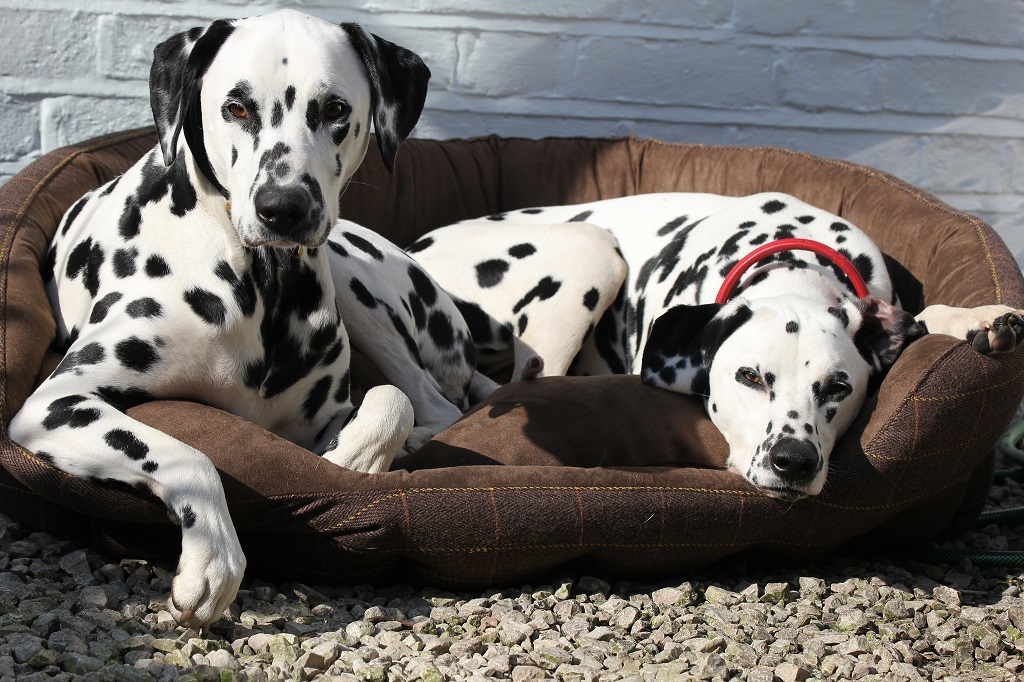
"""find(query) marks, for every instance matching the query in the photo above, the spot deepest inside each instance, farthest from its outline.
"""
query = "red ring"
(792, 244)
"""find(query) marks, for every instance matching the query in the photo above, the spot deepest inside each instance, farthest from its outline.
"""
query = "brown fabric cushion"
(624, 477)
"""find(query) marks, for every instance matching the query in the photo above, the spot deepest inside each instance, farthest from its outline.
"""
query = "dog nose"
(282, 208)
(794, 461)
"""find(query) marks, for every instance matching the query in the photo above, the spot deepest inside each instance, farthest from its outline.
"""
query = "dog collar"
(792, 244)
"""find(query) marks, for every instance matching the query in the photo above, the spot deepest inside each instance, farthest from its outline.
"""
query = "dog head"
(276, 114)
(783, 377)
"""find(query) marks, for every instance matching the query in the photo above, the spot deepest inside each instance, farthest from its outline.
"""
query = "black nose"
(794, 461)
(282, 208)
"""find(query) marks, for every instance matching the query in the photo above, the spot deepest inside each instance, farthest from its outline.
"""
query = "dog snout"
(281, 209)
(795, 462)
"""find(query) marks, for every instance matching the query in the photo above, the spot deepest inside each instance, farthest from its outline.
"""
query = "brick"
(657, 72)
(435, 46)
(826, 80)
(508, 63)
(684, 13)
(942, 85)
(19, 121)
(988, 22)
(66, 120)
(966, 164)
(567, 9)
(850, 18)
(126, 42)
(45, 44)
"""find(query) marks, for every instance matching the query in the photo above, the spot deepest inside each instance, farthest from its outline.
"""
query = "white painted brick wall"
(931, 90)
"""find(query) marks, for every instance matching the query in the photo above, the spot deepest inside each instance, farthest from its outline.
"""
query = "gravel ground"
(69, 613)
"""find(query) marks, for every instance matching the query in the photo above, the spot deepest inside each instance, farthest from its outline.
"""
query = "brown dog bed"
(627, 478)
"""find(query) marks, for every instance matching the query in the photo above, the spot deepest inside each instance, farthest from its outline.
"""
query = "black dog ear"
(174, 81)
(884, 331)
(398, 85)
(683, 343)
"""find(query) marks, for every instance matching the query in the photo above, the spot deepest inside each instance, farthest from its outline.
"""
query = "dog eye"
(838, 390)
(237, 110)
(745, 375)
(335, 109)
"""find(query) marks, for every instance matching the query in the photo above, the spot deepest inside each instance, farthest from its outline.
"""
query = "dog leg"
(66, 425)
(989, 329)
(374, 433)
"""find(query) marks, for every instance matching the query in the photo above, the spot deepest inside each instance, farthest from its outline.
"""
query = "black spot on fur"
(102, 307)
(341, 393)
(580, 217)
(591, 298)
(864, 266)
(808, 428)
(491, 272)
(422, 285)
(144, 307)
(746, 225)
(124, 262)
(333, 353)
(840, 313)
(714, 408)
(86, 259)
(187, 517)
(805, 219)
(671, 225)
(357, 130)
(63, 412)
(839, 227)
(792, 327)
(277, 114)
(792, 414)
(419, 245)
(207, 305)
(243, 288)
(363, 294)
(786, 428)
(773, 206)
(830, 414)
(364, 246)
(122, 398)
(316, 397)
(126, 442)
(522, 250)
(313, 115)
(532, 211)
(157, 267)
(545, 289)
(337, 248)
(440, 329)
(289, 97)
(234, 155)
(89, 354)
(522, 323)
(136, 354)
(72, 214)
(759, 239)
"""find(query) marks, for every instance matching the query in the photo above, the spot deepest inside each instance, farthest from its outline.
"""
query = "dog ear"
(174, 81)
(884, 331)
(398, 88)
(683, 343)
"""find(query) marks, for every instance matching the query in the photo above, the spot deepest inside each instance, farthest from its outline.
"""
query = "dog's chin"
(782, 493)
(263, 239)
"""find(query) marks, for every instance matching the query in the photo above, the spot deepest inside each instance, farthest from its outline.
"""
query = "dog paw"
(999, 335)
(210, 570)
(374, 435)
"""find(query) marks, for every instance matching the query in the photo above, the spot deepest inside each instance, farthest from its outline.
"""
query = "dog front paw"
(999, 335)
(209, 572)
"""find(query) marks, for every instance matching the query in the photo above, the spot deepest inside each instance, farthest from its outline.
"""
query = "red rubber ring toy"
(792, 244)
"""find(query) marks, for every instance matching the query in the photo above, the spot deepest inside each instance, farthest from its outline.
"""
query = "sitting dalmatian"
(783, 367)
(213, 270)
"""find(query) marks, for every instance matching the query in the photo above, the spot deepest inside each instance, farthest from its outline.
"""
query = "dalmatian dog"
(215, 270)
(783, 367)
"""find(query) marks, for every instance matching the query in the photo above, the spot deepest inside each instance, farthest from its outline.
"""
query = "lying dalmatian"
(213, 271)
(783, 367)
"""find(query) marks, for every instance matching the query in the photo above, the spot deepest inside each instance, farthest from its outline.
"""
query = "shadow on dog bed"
(627, 478)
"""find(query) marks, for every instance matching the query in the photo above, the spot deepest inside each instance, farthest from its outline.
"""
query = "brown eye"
(237, 110)
(748, 376)
(335, 109)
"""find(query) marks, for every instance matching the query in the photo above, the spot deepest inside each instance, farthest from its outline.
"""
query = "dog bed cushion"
(626, 479)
